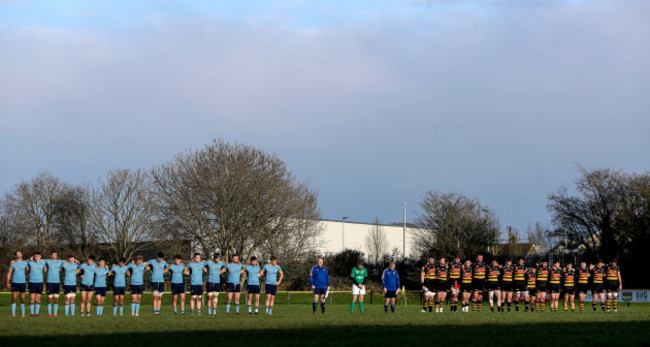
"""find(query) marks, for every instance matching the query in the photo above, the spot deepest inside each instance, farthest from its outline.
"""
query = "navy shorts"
(320, 291)
(390, 294)
(233, 288)
(137, 289)
(270, 289)
(178, 288)
(69, 289)
(19, 287)
(53, 288)
(119, 290)
(212, 287)
(197, 289)
(87, 288)
(36, 288)
(158, 287)
(253, 288)
(100, 291)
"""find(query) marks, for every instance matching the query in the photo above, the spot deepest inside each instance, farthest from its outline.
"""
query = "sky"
(373, 102)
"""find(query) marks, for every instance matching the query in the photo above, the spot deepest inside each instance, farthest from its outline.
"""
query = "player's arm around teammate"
(427, 281)
(271, 282)
(253, 285)
(391, 284)
(35, 266)
(233, 284)
(53, 284)
(214, 269)
(101, 272)
(87, 284)
(320, 284)
(17, 282)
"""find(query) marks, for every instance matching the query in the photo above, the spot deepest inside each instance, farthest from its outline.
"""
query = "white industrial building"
(339, 235)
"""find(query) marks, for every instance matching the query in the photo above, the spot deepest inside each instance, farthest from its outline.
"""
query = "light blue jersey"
(177, 273)
(70, 273)
(100, 277)
(120, 275)
(253, 274)
(18, 269)
(88, 273)
(53, 270)
(214, 270)
(137, 273)
(36, 270)
(234, 272)
(157, 270)
(196, 273)
(271, 273)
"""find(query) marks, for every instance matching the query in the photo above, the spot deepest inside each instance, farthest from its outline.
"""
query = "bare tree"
(377, 242)
(122, 211)
(236, 199)
(73, 221)
(451, 223)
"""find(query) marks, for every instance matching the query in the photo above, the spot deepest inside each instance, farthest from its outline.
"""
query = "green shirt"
(359, 275)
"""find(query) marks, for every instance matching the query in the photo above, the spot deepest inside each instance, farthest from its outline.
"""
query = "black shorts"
(519, 286)
(158, 287)
(119, 290)
(582, 288)
(69, 289)
(431, 285)
(253, 288)
(87, 288)
(100, 291)
(53, 288)
(178, 288)
(478, 285)
(466, 287)
(390, 294)
(506, 286)
(532, 291)
(233, 287)
(598, 288)
(442, 286)
(611, 286)
(569, 290)
(541, 286)
(36, 288)
(270, 289)
(492, 285)
(137, 289)
(196, 289)
(554, 288)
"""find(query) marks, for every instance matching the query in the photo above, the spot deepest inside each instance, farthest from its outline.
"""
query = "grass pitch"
(295, 324)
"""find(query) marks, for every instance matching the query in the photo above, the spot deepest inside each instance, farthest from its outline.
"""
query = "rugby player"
(177, 269)
(253, 272)
(359, 274)
(70, 271)
(507, 286)
(598, 285)
(53, 283)
(542, 287)
(196, 267)
(119, 285)
(35, 265)
(584, 274)
(519, 282)
(493, 285)
(568, 286)
(390, 281)
(213, 285)
(466, 286)
(554, 282)
(233, 283)
(320, 284)
(271, 282)
(613, 284)
(427, 281)
(479, 270)
(442, 284)
(100, 285)
(157, 267)
(530, 294)
(454, 282)
(17, 282)
(87, 280)
(137, 270)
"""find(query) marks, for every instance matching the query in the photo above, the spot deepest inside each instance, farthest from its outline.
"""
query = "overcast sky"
(375, 102)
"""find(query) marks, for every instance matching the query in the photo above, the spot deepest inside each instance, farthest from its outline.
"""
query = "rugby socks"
(442, 306)
(72, 309)
(132, 309)
(593, 305)
(430, 306)
(31, 309)
(526, 307)
(228, 307)
(385, 308)
(424, 307)
(121, 310)
(209, 311)
(97, 309)
(602, 307)
(236, 308)
(13, 308)
(361, 307)
(392, 308)
(351, 306)
(516, 306)
(582, 306)
(137, 308)
(67, 309)
(322, 307)
(510, 304)
(49, 309)
(480, 306)
(38, 308)
(615, 303)
(114, 310)
(56, 308)
(608, 303)
(473, 305)
(314, 305)
(250, 310)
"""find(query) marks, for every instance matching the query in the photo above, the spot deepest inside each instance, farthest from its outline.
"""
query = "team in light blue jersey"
(137, 270)
(119, 271)
(53, 283)
(100, 285)
(213, 285)
(70, 271)
(87, 280)
(253, 273)
(177, 269)
(17, 281)
(233, 286)
(196, 268)
(158, 267)
(271, 282)
(36, 266)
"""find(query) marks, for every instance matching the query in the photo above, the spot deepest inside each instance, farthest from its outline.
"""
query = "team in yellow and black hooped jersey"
(507, 283)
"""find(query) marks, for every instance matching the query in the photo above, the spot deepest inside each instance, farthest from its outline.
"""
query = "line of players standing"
(466, 282)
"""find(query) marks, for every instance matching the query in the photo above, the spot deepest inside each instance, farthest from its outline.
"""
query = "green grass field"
(295, 324)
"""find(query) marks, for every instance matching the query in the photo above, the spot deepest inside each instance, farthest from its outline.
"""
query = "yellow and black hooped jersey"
(612, 273)
(507, 273)
(542, 274)
(467, 275)
(569, 278)
(520, 273)
(455, 270)
(479, 270)
(531, 279)
(493, 273)
(583, 275)
(429, 272)
(441, 273)
(555, 276)
(598, 275)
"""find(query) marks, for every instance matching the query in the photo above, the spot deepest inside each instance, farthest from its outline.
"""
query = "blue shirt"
(100, 277)
(253, 274)
(214, 271)
(53, 270)
(320, 278)
(234, 272)
(36, 270)
(177, 273)
(271, 273)
(88, 273)
(70, 273)
(390, 280)
(120, 275)
(157, 270)
(137, 273)
(18, 269)
(196, 273)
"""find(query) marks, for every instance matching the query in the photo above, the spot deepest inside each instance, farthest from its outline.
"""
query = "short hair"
(273, 258)
(520, 258)
(195, 254)
(253, 258)
(613, 260)
(360, 262)
(37, 253)
(121, 260)
(101, 259)
(161, 255)
(53, 252)
(17, 251)
(392, 263)
(70, 255)
(217, 256)
(178, 256)
(139, 257)
(91, 257)
(508, 259)
(441, 258)
(479, 255)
